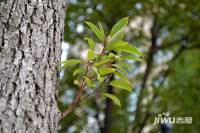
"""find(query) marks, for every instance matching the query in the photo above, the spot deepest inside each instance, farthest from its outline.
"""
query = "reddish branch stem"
(78, 95)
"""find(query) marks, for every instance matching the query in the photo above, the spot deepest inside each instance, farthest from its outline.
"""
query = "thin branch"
(82, 88)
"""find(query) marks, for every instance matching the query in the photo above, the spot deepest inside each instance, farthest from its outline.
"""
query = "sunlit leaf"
(131, 49)
(123, 46)
(124, 65)
(76, 82)
(101, 79)
(90, 43)
(118, 36)
(91, 55)
(101, 29)
(101, 63)
(121, 84)
(113, 98)
(128, 57)
(111, 55)
(116, 45)
(118, 26)
(97, 32)
(104, 71)
(78, 71)
(97, 73)
(89, 82)
(120, 68)
(105, 57)
(122, 77)
(71, 62)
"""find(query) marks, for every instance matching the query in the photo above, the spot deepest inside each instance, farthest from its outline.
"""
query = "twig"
(78, 95)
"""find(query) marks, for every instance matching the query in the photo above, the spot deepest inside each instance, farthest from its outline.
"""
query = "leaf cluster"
(112, 60)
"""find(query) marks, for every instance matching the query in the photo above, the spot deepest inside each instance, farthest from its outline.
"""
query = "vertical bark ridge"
(30, 49)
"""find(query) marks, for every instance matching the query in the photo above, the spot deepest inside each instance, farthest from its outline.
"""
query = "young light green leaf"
(122, 46)
(120, 68)
(111, 55)
(76, 82)
(97, 32)
(90, 43)
(121, 84)
(71, 62)
(88, 81)
(97, 73)
(117, 57)
(101, 29)
(118, 26)
(116, 45)
(101, 80)
(131, 49)
(125, 65)
(104, 71)
(128, 57)
(118, 36)
(113, 98)
(91, 55)
(101, 63)
(78, 71)
(122, 77)
(106, 57)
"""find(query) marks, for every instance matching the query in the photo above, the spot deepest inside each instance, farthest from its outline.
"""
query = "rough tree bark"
(30, 49)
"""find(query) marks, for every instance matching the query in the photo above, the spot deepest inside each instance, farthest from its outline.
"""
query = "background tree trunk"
(108, 113)
(30, 49)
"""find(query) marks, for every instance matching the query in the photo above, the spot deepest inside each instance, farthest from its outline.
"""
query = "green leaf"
(101, 80)
(89, 82)
(120, 68)
(121, 84)
(97, 32)
(116, 45)
(97, 73)
(122, 46)
(118, 36)
(76, 82)
(104, 71)
(127, 57)
(131, 49)
(118, 26)
(113, 98)
(121, 76)
(125, 65)
(71, 62)
(91, 55)
(107, 58)
(90, 43)
(111, 55)
(101, 63)
(78, 71)
(101, 29)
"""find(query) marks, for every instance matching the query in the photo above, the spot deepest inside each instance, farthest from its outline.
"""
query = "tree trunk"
(108, 114)
(108, 111)
(30, 49)
(141, 117)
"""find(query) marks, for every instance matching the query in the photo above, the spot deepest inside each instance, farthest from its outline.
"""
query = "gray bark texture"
(30, 48)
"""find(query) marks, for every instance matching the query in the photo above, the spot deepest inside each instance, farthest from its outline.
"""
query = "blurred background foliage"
(168, 80)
